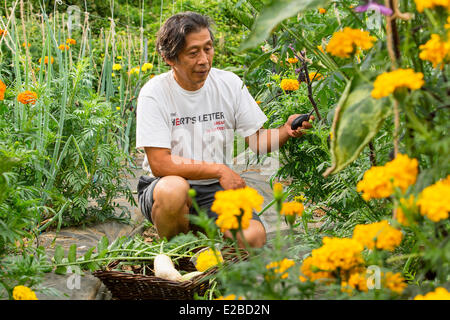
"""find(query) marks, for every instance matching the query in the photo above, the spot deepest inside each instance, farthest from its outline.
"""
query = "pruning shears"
(299, 120)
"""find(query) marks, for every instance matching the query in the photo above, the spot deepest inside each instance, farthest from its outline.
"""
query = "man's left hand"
(300, 130)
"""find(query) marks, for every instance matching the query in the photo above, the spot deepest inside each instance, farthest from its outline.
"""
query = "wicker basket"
(126, 286)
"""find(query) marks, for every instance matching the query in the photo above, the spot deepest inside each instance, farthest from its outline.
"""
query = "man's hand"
(229, 179)
(300, 130)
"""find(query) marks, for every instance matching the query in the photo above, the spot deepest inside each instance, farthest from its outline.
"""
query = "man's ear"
(169, 62)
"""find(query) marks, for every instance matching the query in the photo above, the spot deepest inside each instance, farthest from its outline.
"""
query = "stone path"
(89, 287)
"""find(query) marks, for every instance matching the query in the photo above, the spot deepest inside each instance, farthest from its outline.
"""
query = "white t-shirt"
(199, 124)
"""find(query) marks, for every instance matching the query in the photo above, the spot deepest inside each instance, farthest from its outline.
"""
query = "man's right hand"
(229, 179)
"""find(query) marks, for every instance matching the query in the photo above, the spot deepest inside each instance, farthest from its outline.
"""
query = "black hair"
(171, 38)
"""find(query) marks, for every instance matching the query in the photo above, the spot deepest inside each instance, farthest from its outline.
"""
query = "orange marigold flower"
(71, 41)
(27, 97)
(2, 90)
(2, 32)
(289, 84)
(46, 60)
(63, 47)
(292, 60)
(322, 10)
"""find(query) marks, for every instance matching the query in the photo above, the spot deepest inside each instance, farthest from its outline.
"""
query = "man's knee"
(171, 193)
(257, 237)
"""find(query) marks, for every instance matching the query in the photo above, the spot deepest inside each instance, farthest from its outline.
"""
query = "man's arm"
(163, 163)
(267, 140)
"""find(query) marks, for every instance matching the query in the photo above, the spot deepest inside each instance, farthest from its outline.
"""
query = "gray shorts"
(204, 197)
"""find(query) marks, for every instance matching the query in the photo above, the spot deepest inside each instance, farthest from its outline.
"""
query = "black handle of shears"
(299, 120)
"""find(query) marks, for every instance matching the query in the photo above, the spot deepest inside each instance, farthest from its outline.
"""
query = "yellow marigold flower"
(292, 208)
(27, 97)
(435, 50)
(300, 198)
(146, 66)
(281, 267)
(439, 294)
(71, 41)
(207, 259)
(388, 82)
(289, 84)
(46, 60)
(2, 90)
(428, 4)
(379, 181)
(23, 293)
(341, 254)
(356, 281)
(113, 74)
(378, 235)
(433, 200)
(134, 70)
(315, 76)
(63, 47)
(394, 282)
(116, 67)
(24, 44)
(292, 60)
(347, 41)
(409, 204)
(119, 57)
(236, 205)
(277, 191)
(322, 10)
(403, 170)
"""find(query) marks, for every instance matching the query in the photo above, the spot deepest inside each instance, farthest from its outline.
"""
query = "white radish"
(164, 268)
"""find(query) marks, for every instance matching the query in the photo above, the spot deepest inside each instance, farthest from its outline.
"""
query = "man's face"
(194, 61)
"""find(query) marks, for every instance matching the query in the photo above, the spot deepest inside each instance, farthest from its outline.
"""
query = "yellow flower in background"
(289, 84)
(236, 205)
(292, 60)
(394, 282)
(207, 259)
(315, 76)
(25, 44)
(439, 294)
(119, 57)
(46, 60)
(23, 293)
(280, 267)
(428, 4)
(27, 97)
(348, 41)
(433, 201)
(403, 170)
(386, 83)
(134, 70)
(378, 235)
(63, 47)
(2, 90)
(116, 67)
(321, 48)
(322, 10)
(379, 181)
(435, 50)
(278, 191)
(409, 204)
(292, 208)
(146, 66)
(356, 281)
(300, 198)
(118, 108)
(71, 41)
